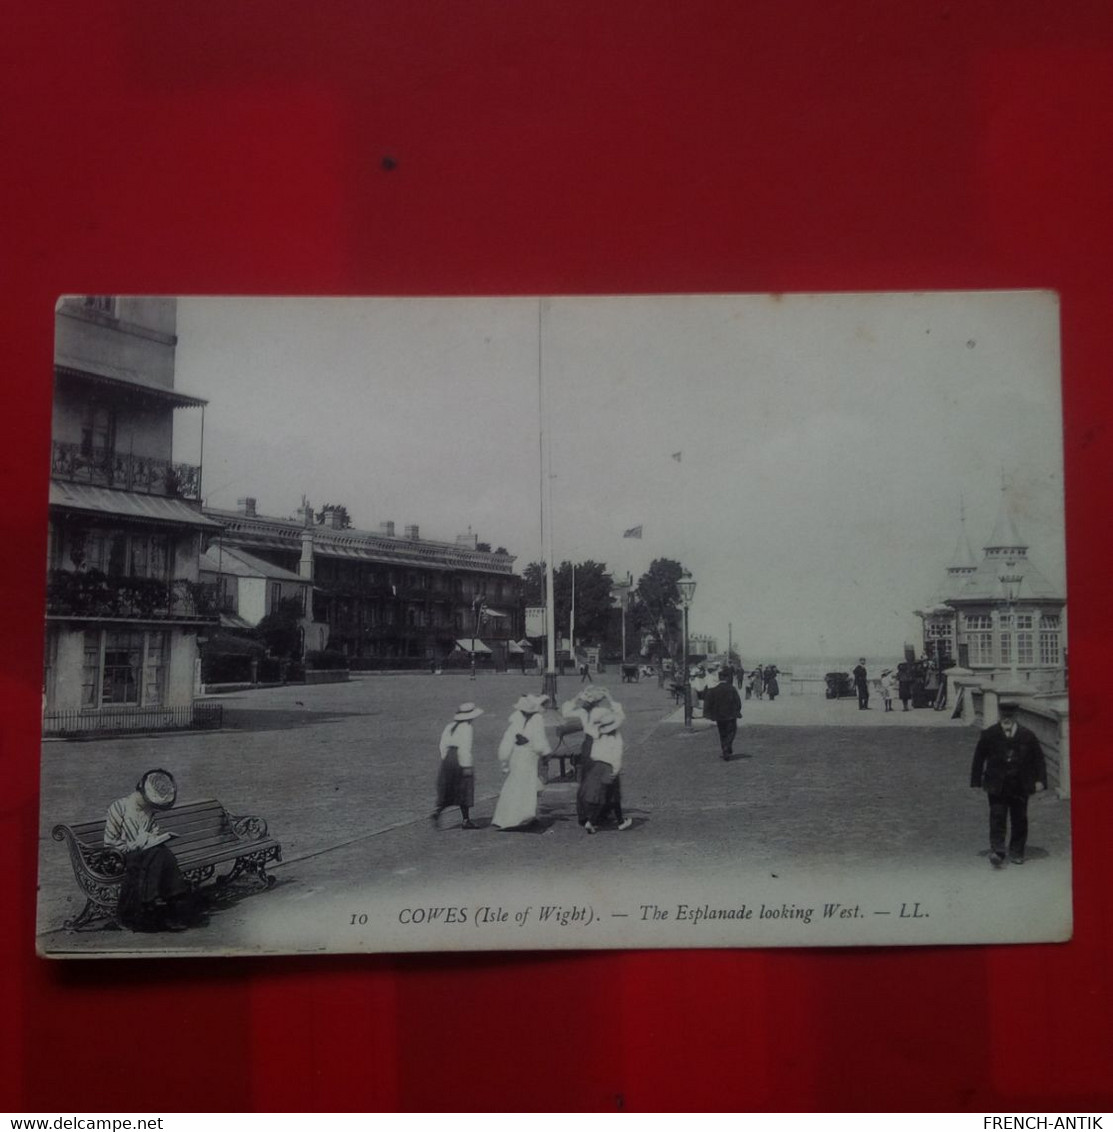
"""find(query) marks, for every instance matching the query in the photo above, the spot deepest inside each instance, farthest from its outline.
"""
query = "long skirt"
(517, 804)
(153, 885)
(597, 796)
(455, 783)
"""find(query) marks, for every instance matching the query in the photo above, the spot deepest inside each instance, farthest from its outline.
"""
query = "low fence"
(124, 720)
(1046, 715)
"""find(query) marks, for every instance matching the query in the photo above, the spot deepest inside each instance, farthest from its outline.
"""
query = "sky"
(828, 445)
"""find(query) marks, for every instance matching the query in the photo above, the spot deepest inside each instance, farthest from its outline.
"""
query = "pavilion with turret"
(1000, 614)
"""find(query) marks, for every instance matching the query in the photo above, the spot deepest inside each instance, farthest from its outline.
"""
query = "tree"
(656, 608)
(593, 596)
(533, 590)
(280, 630)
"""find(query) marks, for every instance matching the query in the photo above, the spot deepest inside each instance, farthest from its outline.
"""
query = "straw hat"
(592, 695)
(467, 711)
(528, 703)
(158, 788)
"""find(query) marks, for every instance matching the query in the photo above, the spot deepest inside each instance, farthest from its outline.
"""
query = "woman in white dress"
(522, 744)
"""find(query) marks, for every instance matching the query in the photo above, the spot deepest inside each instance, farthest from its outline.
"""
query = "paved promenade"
(344, 775)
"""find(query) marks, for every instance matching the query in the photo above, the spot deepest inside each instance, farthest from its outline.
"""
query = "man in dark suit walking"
(861, 684)
(723, 704)
(1009, 766)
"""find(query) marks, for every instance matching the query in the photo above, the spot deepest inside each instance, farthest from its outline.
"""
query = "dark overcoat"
(722, 703)
(996, 755)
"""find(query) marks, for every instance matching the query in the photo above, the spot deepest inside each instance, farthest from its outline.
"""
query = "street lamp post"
(687, 587)
(477, 613)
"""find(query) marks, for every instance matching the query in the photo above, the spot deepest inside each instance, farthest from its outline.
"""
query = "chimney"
(335, 520)
(411, 532)
(246, 506)
(387, 528)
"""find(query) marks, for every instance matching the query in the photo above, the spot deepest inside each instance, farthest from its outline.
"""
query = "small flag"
(676, 456)
(633, 532)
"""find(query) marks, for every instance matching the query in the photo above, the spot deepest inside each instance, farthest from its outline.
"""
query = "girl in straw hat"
(456, 778)
(523, 742)
(154, 896)
(600, 791)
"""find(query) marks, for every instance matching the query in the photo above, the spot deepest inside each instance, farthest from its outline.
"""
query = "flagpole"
(572, 618)
(550, 682)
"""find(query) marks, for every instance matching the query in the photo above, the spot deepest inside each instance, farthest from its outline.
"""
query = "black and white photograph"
(560, 622)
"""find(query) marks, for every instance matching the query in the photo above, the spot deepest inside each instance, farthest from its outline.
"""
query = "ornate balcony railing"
(105, 468)
(92, 594)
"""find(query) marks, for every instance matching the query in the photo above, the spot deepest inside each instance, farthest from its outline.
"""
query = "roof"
(232, 560)
(1005, 533)
(123, 379)
(986, 584)
(362, 546)
(127, 505)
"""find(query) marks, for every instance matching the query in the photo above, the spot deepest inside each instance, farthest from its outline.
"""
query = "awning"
(124, 379)
(467, 646)
(514, 647)
(127, 505)
(488, 612)
(234, 621)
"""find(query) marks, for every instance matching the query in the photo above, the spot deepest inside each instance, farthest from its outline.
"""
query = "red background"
(559, 146)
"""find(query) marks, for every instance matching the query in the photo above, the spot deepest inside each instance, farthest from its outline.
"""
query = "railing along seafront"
(122, 720)
(146, 475)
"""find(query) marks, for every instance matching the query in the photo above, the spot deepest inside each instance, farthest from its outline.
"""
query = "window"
(124, 667)
(979, 638)
(90, 672)
(276, 595)
(1050, 648)
(135, 556)
(98, 431)
(1025, 639)
(123, 656)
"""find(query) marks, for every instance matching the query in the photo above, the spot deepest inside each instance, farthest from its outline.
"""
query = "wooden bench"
(205, 837)
(561, 753)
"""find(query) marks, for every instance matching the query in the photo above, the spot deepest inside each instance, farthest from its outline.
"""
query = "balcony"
(92, 595)
(146, 475)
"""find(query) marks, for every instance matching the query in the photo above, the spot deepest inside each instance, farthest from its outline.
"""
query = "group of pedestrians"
(763, 682)
(912, 681)
(523, 744)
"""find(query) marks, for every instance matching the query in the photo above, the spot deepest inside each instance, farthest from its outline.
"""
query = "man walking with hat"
(724, 705)
(1009, 766)
(861, 684)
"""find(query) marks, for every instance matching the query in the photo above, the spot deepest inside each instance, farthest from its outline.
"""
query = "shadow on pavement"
(245, 719)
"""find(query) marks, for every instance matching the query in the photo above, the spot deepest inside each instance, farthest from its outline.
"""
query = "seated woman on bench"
(154, 896)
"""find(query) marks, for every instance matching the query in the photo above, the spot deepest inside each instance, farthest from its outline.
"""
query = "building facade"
(1000, 614)
(248, 589)
(384, 599)
(124, 602)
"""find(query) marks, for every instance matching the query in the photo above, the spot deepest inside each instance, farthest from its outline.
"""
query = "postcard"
(428, 624)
